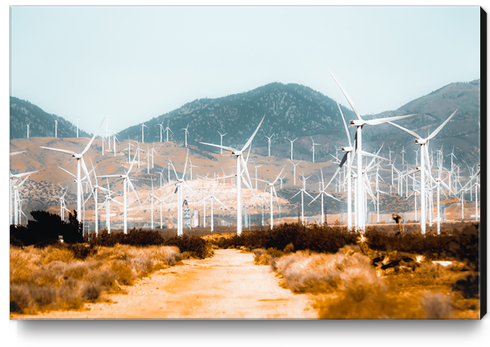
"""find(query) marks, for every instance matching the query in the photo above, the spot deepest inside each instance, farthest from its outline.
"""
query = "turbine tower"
(126, 182)
(292, 141)
(221, 141)
(269, 144)
(240, 161)
(80, 165)
(359, 123)
(424, 161)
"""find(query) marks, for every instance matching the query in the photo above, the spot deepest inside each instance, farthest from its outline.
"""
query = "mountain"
(290, 111)
(462, 132)
(294, 110)
(41, 124)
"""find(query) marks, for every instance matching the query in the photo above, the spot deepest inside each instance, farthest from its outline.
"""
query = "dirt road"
(228, 285)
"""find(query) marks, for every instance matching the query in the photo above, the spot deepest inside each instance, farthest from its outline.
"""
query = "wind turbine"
(292, 141)
(212, 197)
(143, 126)
(359, 123)
(256, 167)
(167, 129)
(80, 165)
(126, 182)
(347, 157)
(151, 197)
(180, 183)
(55, 128)
(294, 170)
(269, 144)
(186, 131)
(108, 198)
(323, 191)
(424, 156)
(161, 131)
(221, 140)
(239, 160)
(272, 190)
(62, 202)
(303, 191)
(27, 130)
(15, 188)
(313, 144)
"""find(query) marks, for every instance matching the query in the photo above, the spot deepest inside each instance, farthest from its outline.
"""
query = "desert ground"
(228, 285)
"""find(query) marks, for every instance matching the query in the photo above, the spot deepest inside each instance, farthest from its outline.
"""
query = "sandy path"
(228, 285)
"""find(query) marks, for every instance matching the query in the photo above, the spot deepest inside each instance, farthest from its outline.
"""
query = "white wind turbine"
(55, 128)
(303, 191)
(424, 162)
(256, 167)
(27, 130)
(15, 188)
(143, 126)
(292, 141)
(161, 131)
(62, 202)
(167, 129)
(221, 140)
(349, 158)
(126, 183)
(212, 197)
(313, 144)
(323, 192)
(239, 161)
(186, 132)
(269, 144)
(294, 170)
(151, 197)
(180, 183)
(272, 190)
(359, 123)
(80, 165)
(108, 198)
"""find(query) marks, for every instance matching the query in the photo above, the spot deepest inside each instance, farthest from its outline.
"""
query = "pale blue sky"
(131, 64)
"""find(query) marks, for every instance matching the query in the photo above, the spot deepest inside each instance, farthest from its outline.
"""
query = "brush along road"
(228, 285)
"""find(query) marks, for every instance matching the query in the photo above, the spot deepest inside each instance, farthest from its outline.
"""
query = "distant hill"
(290, 111)
(41, 124)
(294, 110)
(462, 132)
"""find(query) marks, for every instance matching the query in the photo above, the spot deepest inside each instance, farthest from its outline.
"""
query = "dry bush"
(52, 279)
(261, 257)
(436, 305)
(320, 273)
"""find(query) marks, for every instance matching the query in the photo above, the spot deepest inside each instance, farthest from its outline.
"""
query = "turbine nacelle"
(358, 122)
(347, 149)
(421, 141)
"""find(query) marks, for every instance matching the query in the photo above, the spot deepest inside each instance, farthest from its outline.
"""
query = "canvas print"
(311, 162)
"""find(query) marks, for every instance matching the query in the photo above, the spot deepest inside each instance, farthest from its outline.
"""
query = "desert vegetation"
(46, 274)
(63, 277)
(377, 275)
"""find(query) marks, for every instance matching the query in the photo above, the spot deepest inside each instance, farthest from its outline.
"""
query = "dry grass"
(348, 286)
(53, 279)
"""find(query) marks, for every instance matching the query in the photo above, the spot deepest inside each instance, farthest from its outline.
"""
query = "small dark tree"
(45, 229)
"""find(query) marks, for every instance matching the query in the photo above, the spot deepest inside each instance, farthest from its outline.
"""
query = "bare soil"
(227, 286)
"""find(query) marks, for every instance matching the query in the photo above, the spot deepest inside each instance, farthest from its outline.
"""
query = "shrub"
(124, 273)
(45, 229)
(194, 245)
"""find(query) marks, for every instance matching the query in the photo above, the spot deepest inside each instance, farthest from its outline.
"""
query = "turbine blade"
(314, 199)
(351, 103)
(253, 135)
(93, 138)
(345, 125)
(406, 130)
(60, 150)
(68, 172)
(218, 146)
(388, 119)
(434, 133)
